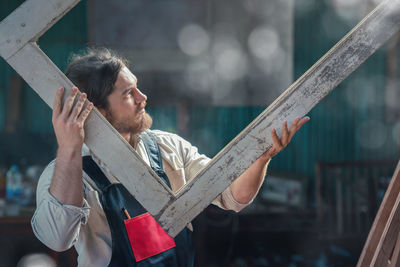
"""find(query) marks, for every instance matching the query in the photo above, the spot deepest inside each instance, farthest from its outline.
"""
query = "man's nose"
(139, 96)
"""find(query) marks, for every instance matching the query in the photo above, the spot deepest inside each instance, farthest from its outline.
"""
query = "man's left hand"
(287, 134)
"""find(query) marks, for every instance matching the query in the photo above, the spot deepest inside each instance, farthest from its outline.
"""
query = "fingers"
(302, 122)
(277, 142)
(58, 102)
(293, 128)
(66, 110)
(77, 108)
(85, 113)
(285, 134)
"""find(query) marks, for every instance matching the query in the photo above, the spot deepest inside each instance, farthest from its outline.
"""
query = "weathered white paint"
(298, 100)
(101, 137)
(29, 21)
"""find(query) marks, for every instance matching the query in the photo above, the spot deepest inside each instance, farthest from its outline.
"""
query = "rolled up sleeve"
(55, 224)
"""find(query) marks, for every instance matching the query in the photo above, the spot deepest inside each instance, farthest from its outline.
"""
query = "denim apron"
(137, 239)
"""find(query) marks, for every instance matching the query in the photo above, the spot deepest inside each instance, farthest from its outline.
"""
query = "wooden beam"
(395, 260)
(380, 222)
(29, 21)
(100, 136)
(174, 212)
(388, 239)
(346, 56)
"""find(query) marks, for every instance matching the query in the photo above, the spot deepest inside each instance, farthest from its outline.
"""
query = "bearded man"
(79, 201)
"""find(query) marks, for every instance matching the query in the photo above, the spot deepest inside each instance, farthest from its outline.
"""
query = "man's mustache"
(141, 106)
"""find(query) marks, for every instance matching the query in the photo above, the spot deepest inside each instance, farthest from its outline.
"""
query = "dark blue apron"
(115, 198)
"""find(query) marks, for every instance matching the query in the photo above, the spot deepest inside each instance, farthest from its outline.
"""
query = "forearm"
(246, 186)
(66, 185)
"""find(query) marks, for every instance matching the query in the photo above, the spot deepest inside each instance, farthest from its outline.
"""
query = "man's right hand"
(68, 120)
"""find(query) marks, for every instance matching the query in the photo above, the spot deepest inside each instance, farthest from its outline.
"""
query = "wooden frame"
(20, 30)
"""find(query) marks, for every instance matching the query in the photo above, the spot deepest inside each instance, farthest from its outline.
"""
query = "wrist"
(264, 159)
(68, 153)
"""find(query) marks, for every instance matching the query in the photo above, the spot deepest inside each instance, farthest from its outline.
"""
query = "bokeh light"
(264, 42)
(193, 40)
(230, 60)
(349, 10)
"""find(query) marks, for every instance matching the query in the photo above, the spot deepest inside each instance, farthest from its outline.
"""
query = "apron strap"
(154, 153)
(93, 170)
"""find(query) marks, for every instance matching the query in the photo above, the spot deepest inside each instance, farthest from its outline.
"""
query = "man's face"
(126, 109)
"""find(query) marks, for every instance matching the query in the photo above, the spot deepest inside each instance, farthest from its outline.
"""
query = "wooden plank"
(395, 260)
(173, 214)
(29, 21)
(382, 217)
(388, 239)
(101, 137)
(370, 34)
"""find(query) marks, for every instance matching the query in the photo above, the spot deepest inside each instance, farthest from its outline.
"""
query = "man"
(76, 204)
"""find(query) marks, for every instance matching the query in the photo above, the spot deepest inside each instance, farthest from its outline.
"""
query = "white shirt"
(61, 226)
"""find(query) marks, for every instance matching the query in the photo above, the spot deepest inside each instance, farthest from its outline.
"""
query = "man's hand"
(68, 120)
(287, 134)
(246, 186)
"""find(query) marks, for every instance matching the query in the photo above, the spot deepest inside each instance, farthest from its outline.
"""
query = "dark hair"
(95, 73)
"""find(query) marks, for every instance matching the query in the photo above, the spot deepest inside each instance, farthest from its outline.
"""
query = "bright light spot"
(231, 64)
(275, 64)
(349, 10)
(264, 42)
(230, 61)
(372, 134)
(193, 40)
(199, 76)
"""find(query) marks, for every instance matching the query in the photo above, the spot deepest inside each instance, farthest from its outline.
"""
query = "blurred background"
(209, 68)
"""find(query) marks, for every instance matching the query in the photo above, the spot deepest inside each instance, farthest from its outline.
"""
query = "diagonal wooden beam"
(29, 21)
(18, 33)
(346, 56)
(100, 136)
(382, 224)
(174, 212)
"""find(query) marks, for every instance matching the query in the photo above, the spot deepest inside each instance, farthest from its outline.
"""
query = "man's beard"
(128, 125)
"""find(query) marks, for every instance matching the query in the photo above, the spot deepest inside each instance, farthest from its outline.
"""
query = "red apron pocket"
(146, 236)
